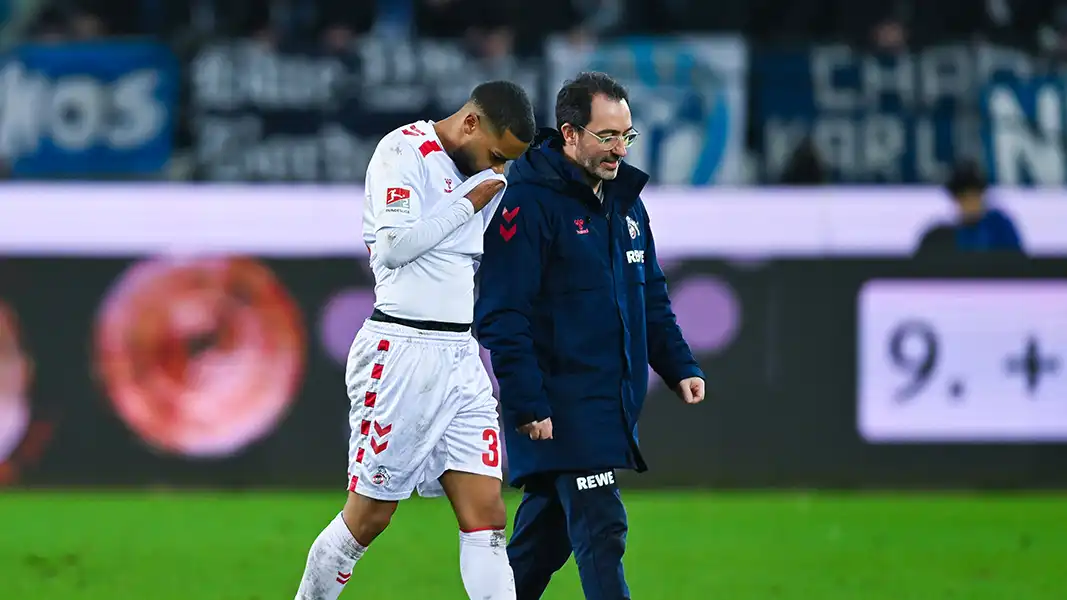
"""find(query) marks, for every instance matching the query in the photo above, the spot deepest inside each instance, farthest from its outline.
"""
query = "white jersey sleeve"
(394, 185)
(406, 226)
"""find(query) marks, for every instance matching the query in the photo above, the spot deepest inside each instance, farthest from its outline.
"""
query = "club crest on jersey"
(632, 226)
(398, 200)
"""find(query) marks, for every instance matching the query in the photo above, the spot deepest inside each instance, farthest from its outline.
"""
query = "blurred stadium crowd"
(755, 92)
(517, 25)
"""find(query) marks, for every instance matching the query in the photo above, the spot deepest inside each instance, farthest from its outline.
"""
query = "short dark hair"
(966, 177)
(507, 107)
(574, 102)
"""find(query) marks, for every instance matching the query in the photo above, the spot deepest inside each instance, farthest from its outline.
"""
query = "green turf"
(156, 546)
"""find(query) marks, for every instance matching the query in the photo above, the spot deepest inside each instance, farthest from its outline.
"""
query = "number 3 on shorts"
(492, 457)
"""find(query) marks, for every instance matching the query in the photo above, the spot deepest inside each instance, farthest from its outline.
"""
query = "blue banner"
(1023, 131)
(303, 114)
(687, 96)
(902, 118)
(85, 109)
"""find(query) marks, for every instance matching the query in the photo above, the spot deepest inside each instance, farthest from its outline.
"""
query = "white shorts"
(422, 404)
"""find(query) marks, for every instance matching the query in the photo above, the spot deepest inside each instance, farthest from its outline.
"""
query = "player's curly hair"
(507, 107)
(574, 102)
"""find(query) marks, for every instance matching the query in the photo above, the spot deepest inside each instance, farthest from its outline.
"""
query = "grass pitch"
(785, 546)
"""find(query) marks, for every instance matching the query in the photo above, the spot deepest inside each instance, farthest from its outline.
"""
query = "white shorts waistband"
(411, 333)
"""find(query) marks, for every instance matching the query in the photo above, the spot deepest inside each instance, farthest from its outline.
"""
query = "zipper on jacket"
(615, 284)
(618, 311)
(631, 449)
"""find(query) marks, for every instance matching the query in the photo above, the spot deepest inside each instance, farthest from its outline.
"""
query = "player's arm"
(405, 231)
(668, 353)
(515, 248)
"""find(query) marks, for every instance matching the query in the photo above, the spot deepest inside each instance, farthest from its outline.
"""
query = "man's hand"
(691, 390)
(484, 192)
(538, 430)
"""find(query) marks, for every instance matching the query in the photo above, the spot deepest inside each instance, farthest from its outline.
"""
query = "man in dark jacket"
(573, 308)
(978, 229)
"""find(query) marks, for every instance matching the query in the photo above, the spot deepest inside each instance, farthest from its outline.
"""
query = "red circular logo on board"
(200, 357)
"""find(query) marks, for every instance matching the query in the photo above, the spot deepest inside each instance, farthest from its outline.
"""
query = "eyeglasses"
(609, 141)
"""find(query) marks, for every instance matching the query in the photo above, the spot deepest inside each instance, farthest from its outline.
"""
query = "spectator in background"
(50, 25)
(266, 21)
(253, 18)
(340, 23)
(677, 16)
(791, 21)
(978, 227)
(805, 166)
(62, 22)
(1048, 18)
(1034, 24)
(885, 27)
(484, 24)
(581, 21)
(97, 18)
(895, 25)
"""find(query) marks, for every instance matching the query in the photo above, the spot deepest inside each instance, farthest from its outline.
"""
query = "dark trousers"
(563, 513)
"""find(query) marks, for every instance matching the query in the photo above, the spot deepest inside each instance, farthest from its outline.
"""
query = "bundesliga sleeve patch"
(398, 200)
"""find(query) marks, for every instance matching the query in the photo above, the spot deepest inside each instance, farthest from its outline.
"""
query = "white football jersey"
(409, 175)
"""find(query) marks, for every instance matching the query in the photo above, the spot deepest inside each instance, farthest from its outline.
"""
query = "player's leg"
(392, 381)
(596, 524)
(482, 519)
(539, 544)
(471, 479)
(341, 544)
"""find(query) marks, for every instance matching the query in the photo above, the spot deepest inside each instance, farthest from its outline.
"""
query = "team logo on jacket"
(632, 226)
(580, 225)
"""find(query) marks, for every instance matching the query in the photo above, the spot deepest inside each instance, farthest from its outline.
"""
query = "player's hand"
(484, 192)
(538, 430)
(691, 390)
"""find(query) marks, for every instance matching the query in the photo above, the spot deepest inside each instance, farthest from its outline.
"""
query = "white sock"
(330, 562)
(484, 566)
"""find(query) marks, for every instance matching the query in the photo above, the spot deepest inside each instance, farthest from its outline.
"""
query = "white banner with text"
(283, 220)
